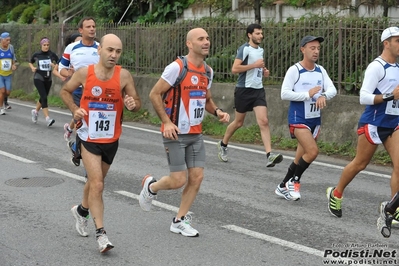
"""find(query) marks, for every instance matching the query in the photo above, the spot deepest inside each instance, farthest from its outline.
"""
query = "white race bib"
(392, 107)
(310, 109)
(197, 111)
(45, 65)
(102, 124)
(6, 64)
(257, 75)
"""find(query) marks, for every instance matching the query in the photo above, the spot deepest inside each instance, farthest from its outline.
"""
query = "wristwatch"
(388, 97)
(216, 111)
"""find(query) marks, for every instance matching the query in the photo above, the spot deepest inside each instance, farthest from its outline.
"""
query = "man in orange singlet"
(181, 108)
(107, 89)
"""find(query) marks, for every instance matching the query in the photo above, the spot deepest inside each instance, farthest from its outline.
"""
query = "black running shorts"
(245, 99)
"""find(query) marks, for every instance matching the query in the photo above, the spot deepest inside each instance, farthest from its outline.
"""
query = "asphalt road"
(240, 219)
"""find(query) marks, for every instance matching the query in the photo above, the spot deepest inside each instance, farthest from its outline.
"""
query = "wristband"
(324, 95)
(216, 111)
(388, 97)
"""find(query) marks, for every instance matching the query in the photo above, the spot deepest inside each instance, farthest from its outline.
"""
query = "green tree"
(165, 11)
(222, 6)
(106, 10)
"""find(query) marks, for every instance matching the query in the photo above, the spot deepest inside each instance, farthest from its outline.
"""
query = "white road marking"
(67, 174)
(15, 157)
(281, 242)
(154, 202)
(271, 239)
(232, 146)
(264, 153)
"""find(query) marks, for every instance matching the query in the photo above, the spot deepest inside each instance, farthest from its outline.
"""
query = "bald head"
(110, 50)
(198, 43)
(109, 39)
(194, 33)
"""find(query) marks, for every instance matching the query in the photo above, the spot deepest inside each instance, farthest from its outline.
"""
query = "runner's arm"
(129, 89)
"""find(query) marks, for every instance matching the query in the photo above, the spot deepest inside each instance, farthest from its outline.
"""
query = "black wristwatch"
(216, 111)
(388, 97)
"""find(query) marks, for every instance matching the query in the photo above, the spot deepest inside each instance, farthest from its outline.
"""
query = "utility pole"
(257, 11)
(234, 5)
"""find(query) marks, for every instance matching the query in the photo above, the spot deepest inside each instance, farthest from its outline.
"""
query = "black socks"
(289, 175)
(82, 211)
(100, 231)
(301, 167)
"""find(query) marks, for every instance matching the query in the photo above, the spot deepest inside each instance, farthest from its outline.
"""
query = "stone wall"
(280, 12)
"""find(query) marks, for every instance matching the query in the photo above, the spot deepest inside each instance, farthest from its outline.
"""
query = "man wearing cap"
(308, 87)
(249, 94)
(379, 122)
(7, 65)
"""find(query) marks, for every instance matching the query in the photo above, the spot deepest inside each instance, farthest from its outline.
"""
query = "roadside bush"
(28, 15)
(17, 11)
(45, 13)
(3, 18)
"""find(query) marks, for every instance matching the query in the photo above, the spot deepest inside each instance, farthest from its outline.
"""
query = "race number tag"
(392, 107)
(45, 65)
(310, 109)
(257, 75)
(101, 124)
(197, 111)
(6, 64)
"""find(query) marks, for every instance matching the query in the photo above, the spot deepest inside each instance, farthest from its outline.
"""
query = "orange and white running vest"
(104, 104)
(185, 105)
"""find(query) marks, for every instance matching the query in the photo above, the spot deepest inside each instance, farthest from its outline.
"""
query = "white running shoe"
(222, 154)
(34, 116)
(81, 222)
(50, 121)
(183, 227)
(67, 133)
(283, 192)
(294, 187)
(146, 197)
(103, 243)
(2, 111)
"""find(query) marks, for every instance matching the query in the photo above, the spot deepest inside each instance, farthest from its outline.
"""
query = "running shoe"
(222, 154)
(103, 243)
(67, 133)
(384, 222)
(34, 116)
(72, 147)
(2, 111)
(7, 106)
(81, 222)
(183, 226)
(273, 159)
(50, 121)
(293, 188)
(283, 192)
(334, 203)
(146, 197)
